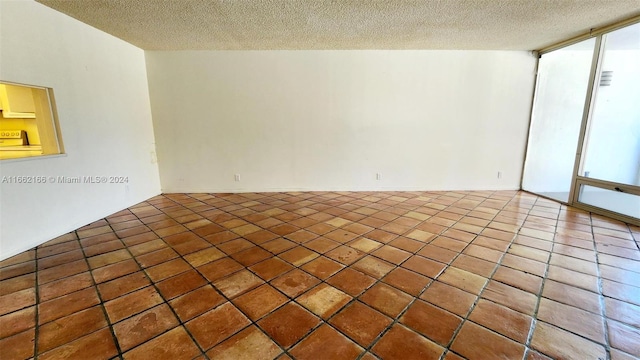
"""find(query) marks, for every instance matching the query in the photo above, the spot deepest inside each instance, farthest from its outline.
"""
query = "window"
(28, 122)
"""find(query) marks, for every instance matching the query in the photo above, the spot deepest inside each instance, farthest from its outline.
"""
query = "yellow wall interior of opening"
(25, 109)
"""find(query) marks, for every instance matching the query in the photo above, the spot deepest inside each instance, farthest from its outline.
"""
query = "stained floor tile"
(323, 300)
(624, 337)
(174, 344)
(238, 283)
(510, 297)
(463, 280)
(325, 342)
(17, 321)
(351, 281)
(573, 319)
(196, 302)
(71, 327)
(361, 323)
(322, 267)
(436, 324)
(407, 281)
(289, 324)
(573, 296)
(18, 346)
(295, 282)
(402, 343)
(519, 279)
(97, 345)
(250, 343)
(216, 325)
(374, 267)
(502, 320)
(345, 255)
(180, 284)
(123, 285)
(559, 344)
(449, 297)
(386, 299)
(132, 303)
(622, 311)
(20, 299)
(66, 305)
(259, 302)
(144, 326)
(476, 342)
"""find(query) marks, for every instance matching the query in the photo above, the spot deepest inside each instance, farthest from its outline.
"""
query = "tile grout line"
(633, 236)
(95, 286)
(36, 334)
(603, 308)
(479, 295)
(165, 301)
(534, 316)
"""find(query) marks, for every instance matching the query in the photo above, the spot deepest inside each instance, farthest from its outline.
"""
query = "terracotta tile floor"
(329, 275)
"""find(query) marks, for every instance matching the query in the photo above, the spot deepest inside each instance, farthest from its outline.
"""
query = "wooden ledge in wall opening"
(4, 161)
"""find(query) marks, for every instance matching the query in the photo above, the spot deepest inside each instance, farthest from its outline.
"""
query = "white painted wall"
(100, 86)
(331, 120)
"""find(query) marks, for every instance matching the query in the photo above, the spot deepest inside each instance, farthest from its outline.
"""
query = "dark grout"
(165, 301)
(603, 308)
(534, 321)
(101, 304)
(37, 309)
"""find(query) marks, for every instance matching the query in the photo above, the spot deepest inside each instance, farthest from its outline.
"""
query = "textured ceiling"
(345, 24)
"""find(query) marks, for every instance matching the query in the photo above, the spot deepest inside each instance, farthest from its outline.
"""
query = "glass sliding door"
(561, 92)
(609, 173)
(612, 143)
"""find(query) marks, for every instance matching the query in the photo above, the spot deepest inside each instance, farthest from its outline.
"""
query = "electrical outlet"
(236, 177)
(499, 174)
(378, 176)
